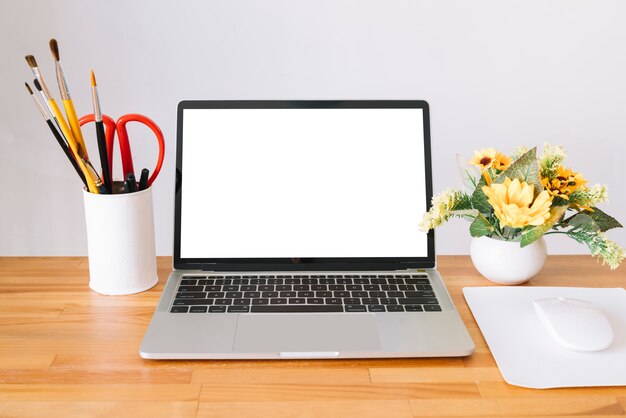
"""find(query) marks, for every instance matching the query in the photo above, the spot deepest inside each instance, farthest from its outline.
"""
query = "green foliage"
(479, 199)
(480, 227)
(578, 197)
(596, 221)
(533, 234)
(550, 160)
(602, 220)
(600, 246)
(559, 201)
(525, 168)
(463, 202)
(585, 197)
(582, 222)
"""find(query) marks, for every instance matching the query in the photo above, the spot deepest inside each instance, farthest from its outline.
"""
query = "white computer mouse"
(575, 324)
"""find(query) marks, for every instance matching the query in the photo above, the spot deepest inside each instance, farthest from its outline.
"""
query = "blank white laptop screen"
(296, 183)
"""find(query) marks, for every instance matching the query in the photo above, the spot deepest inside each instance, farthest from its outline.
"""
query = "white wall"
(496, 73)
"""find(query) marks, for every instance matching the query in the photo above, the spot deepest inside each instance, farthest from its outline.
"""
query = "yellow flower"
(564, 183)
(490, 158)
(484, 158)
(512, 202)
(502, 162)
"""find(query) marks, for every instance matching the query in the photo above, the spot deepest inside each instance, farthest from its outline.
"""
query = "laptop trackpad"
(306, 333)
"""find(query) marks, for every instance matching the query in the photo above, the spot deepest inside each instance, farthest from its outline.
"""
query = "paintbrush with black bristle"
(55, 132)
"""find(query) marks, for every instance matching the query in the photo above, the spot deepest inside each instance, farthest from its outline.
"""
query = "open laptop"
(296, 235)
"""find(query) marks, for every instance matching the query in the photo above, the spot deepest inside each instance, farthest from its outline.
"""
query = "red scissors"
(111, 127)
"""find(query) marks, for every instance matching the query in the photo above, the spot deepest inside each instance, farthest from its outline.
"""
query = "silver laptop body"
(296, 235)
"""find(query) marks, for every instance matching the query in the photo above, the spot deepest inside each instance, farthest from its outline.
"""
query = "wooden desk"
(66, 351)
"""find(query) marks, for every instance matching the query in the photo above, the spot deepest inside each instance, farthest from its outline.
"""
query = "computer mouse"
(575, 324)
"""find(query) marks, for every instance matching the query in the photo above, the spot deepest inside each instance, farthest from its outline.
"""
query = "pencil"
(57, 135)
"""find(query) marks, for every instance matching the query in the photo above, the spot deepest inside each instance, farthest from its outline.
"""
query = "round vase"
(505, 262)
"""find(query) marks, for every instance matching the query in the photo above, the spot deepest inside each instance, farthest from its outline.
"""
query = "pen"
(143, 180)
(132, 182)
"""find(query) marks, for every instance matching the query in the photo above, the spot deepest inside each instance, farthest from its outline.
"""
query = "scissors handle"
(122, 134)
(119, 127)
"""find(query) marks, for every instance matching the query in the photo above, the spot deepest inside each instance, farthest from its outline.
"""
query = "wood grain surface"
(66, 351)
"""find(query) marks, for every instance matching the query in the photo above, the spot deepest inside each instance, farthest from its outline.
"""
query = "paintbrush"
(56, 133)
(32, 63)
(94, 174)
(43, 89)
(68, 104)
(102, 143)
(47, 106)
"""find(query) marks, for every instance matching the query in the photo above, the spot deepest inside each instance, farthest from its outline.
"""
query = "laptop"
(296, 235)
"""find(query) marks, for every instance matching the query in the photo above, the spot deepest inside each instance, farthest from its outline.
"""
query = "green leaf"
(525, 168)
(559, 201)
(479, 199)
(480, 227)
(602, 220)
(463, 202)
(578, 197)
(533, 234)
(583, 222)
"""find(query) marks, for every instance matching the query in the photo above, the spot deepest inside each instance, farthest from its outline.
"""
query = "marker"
(143, 180)
(132, 182)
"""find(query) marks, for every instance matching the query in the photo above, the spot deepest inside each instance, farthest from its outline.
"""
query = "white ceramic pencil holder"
(120, 236)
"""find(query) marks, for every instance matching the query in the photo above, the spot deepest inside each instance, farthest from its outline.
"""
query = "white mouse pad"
(527, 354)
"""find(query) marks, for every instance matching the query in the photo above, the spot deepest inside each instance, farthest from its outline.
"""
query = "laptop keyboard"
(305, 293)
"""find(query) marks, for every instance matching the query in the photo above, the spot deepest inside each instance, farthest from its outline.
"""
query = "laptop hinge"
(304, 267)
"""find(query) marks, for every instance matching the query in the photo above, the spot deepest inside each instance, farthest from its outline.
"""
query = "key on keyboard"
(305, 293)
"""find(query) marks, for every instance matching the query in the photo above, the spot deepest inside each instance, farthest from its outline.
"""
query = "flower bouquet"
(522, 198)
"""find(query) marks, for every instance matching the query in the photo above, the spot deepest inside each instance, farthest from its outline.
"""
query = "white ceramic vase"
(505, 262)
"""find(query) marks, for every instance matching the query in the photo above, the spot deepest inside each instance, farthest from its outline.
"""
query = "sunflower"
(563, 183)
(501, 162)
(513, 204)
(490, 158)
(484, 158)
